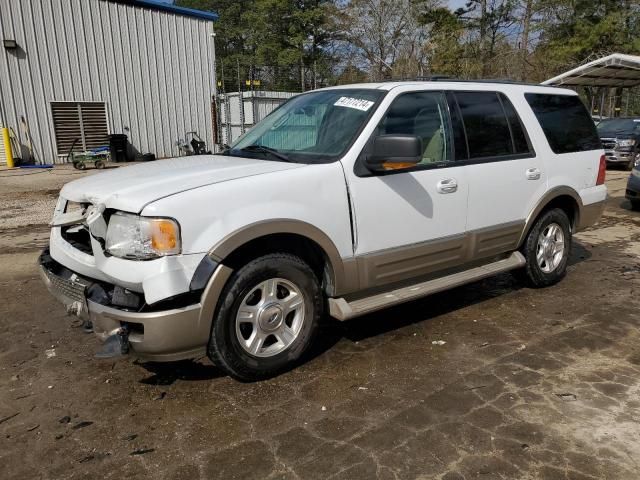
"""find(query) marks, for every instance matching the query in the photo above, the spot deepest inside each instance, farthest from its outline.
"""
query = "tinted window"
(565, 122)
(485, 123)
(457, 129)
(423, 114)
(520, 143)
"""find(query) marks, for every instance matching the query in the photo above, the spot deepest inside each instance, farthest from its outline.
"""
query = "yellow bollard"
(7, 147)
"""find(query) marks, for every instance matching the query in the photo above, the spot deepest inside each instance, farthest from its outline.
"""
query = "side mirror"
(392, 152)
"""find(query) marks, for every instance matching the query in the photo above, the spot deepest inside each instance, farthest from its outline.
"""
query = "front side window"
(485, 123)
(565, 122)
(316, 127)
(424, 115)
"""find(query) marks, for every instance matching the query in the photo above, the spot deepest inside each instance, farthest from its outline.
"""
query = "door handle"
(447, 185)
(533, 174)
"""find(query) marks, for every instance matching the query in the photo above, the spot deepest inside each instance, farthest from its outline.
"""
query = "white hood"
(131, 188)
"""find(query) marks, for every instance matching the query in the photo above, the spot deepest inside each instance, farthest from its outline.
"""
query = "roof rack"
(446, 78)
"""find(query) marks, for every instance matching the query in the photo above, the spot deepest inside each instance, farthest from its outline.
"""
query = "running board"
(341, 309)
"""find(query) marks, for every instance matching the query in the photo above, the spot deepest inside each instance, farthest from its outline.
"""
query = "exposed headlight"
(629, 142)
(142, 238)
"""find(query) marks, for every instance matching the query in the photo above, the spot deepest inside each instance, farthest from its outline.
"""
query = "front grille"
(608, 143)
(74, 290)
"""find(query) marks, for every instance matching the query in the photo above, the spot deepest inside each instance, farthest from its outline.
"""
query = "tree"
(386, 34)
(282, 40)
(577, 30)
(446, 51)
(491, 20)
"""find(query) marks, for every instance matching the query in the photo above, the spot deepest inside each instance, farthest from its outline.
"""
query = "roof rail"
(446, 78)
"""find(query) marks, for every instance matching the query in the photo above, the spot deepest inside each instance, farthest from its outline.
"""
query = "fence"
(237, 112)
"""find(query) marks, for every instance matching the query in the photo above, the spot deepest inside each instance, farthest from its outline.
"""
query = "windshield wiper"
(262, 149)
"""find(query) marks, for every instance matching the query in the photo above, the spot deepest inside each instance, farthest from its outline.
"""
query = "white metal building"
(88, 68)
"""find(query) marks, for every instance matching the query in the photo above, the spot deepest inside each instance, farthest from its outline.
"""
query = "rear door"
(505, 175)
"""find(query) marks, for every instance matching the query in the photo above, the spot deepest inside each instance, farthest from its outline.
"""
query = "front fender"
(311, 201)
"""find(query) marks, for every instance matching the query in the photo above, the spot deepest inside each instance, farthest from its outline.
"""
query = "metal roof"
(615, 70)
(169, 7)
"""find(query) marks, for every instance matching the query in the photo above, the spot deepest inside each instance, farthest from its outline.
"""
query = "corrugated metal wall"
(153, 69)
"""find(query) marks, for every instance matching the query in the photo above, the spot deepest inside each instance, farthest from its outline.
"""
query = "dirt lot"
(530, 384)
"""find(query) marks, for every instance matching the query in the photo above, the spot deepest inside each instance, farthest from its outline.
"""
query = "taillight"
(602, 171)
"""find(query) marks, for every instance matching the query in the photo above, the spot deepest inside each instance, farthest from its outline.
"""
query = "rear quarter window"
(565, 122)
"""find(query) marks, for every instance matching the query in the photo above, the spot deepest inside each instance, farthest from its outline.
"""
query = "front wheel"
(267, 317)
(546, 249)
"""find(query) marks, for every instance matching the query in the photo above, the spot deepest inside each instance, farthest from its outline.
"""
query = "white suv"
(343, 201)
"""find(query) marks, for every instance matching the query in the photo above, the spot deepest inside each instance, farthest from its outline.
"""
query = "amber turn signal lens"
(164, 236)
(397, 165)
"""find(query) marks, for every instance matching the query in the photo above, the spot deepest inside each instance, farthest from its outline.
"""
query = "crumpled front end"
(154, 306)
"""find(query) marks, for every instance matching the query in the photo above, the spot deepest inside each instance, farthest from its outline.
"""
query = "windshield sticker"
(357, 103)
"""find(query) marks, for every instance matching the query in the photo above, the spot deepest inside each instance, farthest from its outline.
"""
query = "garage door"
(85, 122)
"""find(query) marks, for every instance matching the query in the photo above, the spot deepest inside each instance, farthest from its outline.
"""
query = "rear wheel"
(267, 317)
(546, 249)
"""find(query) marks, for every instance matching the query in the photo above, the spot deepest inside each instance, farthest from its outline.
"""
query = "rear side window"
(485, 123)
(565, 122)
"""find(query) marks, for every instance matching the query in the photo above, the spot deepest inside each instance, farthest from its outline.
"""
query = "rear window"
(565, 122)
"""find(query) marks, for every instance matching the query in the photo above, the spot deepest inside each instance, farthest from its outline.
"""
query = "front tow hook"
(116, 344)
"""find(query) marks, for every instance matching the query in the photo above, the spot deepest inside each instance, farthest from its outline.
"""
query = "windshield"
(622, 125)
(316, 127)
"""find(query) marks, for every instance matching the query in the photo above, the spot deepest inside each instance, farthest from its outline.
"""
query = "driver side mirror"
(391, 152)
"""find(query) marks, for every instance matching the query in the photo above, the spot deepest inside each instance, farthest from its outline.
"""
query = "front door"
(411, 222)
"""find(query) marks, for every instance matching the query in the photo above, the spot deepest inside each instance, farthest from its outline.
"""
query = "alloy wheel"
(270, 317)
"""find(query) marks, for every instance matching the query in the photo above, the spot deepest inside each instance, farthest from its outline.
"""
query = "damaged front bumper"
(178, 332)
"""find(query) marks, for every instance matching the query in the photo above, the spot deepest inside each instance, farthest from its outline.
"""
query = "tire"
(248, 338)
(99, 164)
(79, 165)
(550, 269)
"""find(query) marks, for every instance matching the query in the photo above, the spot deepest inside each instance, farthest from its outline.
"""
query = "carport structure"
(617, 71)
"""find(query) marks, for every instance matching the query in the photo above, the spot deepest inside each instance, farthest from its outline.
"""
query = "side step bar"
(341, 309)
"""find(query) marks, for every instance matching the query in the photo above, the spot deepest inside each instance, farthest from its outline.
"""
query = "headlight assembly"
(629, 142)
(142, 238)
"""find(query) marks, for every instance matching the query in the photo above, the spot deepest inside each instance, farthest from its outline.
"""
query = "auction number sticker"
(357, 103)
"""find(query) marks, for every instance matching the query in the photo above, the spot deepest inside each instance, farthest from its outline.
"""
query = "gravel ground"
(28, 196)
(528, 384)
